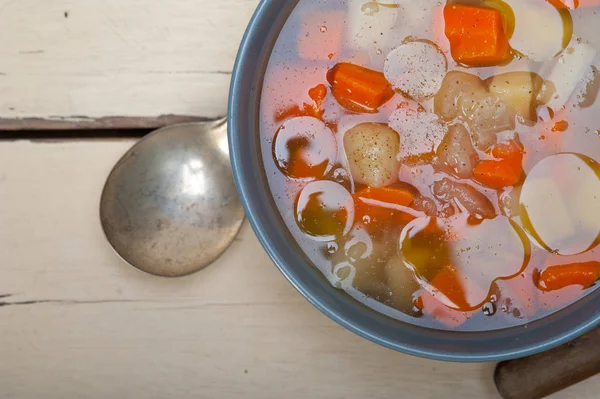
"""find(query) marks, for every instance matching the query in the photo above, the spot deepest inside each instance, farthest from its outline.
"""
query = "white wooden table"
(75, 322)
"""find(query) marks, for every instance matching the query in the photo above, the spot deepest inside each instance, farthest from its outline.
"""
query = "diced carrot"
(573, 4)
(555, 300)
(560, 126)
(383, 213)
(447, 283)
(299, 168)
(510, 151)
(584, 274)
(359, 89)
(379, 216)
(317, 94)
(476, 35)
(390, 195)
(321, 35)
(497, 174)
(440, 312)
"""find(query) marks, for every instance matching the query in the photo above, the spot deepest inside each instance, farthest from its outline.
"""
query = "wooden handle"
(540, 375)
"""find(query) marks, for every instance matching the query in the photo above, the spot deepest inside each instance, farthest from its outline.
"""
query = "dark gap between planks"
(84, 134)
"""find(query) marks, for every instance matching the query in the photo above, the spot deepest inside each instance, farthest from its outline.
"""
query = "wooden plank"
(76, 322)
(90, 63)
(82, 124)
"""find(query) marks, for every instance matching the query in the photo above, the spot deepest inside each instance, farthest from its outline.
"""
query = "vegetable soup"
(437, 160)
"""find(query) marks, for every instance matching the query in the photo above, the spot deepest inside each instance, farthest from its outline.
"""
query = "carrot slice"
(476, 35)
(584, 274)
(390, 195)
(359, 89)
(497, 174)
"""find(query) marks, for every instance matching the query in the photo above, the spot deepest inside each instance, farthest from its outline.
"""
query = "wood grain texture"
(83, 124)
(78, 323)
(63, 59)
(538, 376)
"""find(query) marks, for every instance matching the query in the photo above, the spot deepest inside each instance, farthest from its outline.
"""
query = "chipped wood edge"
(86, 123)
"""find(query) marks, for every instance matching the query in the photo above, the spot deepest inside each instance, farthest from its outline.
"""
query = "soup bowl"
(261, 210)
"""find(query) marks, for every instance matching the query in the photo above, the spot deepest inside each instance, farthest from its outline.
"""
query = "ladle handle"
(540, 375)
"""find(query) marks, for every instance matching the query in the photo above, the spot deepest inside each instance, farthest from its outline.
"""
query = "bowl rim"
(253, 39)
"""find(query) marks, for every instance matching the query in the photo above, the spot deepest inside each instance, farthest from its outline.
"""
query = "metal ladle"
(170, 207)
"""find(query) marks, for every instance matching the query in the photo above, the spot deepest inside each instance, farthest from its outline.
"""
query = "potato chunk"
(372, 151)
(402, 284)
(518, 90)
(457, 152)
(486, 115)
(456, 84)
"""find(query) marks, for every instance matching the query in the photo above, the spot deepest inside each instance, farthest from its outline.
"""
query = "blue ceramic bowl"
(244, 142)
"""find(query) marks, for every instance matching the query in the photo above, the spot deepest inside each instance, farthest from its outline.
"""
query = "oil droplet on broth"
(340, 176)
(457, 261)
(359, 245)
(560, 203)
(489, 308)
(332, 247)
(324, 210)
(304, 147)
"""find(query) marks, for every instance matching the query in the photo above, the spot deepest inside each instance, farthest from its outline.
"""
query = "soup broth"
(437, 160)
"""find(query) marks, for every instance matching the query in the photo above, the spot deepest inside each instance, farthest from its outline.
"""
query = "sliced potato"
(560, 204)
(416, 69)
(547, 213)
(457, 152)
(372, 152)
(518, 90)
(455, 85)
(540, 29)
